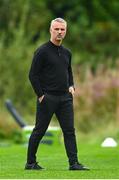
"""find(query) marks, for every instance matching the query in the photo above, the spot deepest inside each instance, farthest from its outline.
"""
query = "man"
(52, 80)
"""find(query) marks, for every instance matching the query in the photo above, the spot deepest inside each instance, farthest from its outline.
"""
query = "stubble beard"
(59, 38)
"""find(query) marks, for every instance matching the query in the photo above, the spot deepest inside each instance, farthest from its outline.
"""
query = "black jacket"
(51, 69)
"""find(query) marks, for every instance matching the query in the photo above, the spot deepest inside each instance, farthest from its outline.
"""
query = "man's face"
(58, 31)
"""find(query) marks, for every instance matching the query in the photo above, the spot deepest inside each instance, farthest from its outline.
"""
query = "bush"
(97, 100)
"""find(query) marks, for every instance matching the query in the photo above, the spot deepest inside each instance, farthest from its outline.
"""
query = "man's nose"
(59, 30)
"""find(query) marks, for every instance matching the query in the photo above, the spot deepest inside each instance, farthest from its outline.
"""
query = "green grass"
(104, 162)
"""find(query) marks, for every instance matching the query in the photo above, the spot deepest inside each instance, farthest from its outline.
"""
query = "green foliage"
(93, 32)
(96, 101)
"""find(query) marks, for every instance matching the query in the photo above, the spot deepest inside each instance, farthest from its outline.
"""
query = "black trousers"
(62, 106)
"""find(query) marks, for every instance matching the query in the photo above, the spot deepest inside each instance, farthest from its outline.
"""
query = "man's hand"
(41, 98)
(71, 90)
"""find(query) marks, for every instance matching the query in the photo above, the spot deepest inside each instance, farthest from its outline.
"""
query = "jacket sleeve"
(34, 73)
(71, 81)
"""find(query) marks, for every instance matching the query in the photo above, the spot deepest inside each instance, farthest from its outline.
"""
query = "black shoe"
(78, 166)
(33, 166)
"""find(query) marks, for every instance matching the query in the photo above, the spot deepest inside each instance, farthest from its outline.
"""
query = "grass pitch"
(104, 162)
